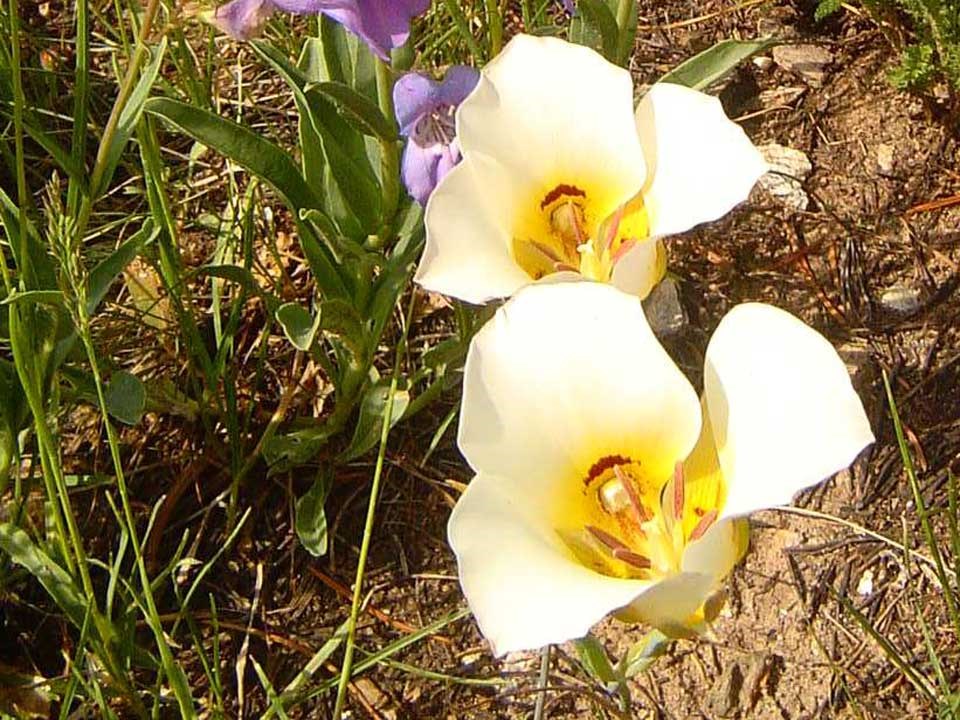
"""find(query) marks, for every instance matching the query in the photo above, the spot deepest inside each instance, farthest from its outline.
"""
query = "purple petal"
(243, 19)
(569, 6)
(414, 95)
(381, 24)
(457, 84)
(419, 170)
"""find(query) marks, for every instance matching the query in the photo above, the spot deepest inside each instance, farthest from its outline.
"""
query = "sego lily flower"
(425, 112)
(560, 174)
(381, 24)
(603, 484)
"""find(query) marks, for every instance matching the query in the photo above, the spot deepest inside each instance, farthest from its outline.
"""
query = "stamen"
(633, 559)
(612, 542)
(613, 228)
(705, 522)
(678, 491)
(548, 252)
(643, 515)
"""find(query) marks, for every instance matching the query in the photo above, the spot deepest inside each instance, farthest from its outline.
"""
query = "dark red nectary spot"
(602, 465)
(561, 191)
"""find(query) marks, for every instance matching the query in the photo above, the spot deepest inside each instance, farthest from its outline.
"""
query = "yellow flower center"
(579, 228)
(627, 522)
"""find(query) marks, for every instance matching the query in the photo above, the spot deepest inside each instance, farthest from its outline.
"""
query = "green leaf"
(365, 114)
(593, 657)
(311, 521)
(298, 325)
(642, 655)
(352, 193)
(28, 297)
(600, 23)
(130, 116)
(126, 397)
(370, 421)
(54, 579)
(255, 153)
(709, 66)
(103, 275)
(13, 410)
(43, 276)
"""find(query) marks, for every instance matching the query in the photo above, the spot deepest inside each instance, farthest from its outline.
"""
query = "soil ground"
(878, 279)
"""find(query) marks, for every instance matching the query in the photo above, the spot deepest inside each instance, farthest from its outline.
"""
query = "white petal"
(784, 413)
(565, 374)
(523, 586)
(673, 602)
(700, 164)
(553, 112)
(717, 552)
(641, 268)
(670, 604)
(467, 253)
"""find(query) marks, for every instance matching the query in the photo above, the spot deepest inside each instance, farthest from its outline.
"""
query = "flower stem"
(495, 26)
(463, 25)
(389, 155)
(347, 668)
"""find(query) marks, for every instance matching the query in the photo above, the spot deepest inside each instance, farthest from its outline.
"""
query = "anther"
(643, 515)
(678, 491)
(633, 559)
(618, 550)
(705, 522)
(612, 542)
(548, 252)
(613, 228)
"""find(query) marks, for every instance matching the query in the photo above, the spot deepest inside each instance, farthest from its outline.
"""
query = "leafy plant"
(933, 52)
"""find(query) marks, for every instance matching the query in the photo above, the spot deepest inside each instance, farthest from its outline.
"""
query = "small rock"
(865, 586)
(663, 309)
(788, 169)
(781, 96)
(885, 158)
(808, 61)
(901, 299)
(763, 62)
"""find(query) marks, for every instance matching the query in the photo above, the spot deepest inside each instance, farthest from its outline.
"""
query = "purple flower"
(425, 111)
(569, 7)
(381, 24)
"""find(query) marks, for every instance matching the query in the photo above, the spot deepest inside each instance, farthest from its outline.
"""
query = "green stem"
(625, 15)
(174, 674)
(495, 27)
(463, 25)
(126, 88)
(347, 668)
(78, 146)
(389, 155)
(526, 10)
